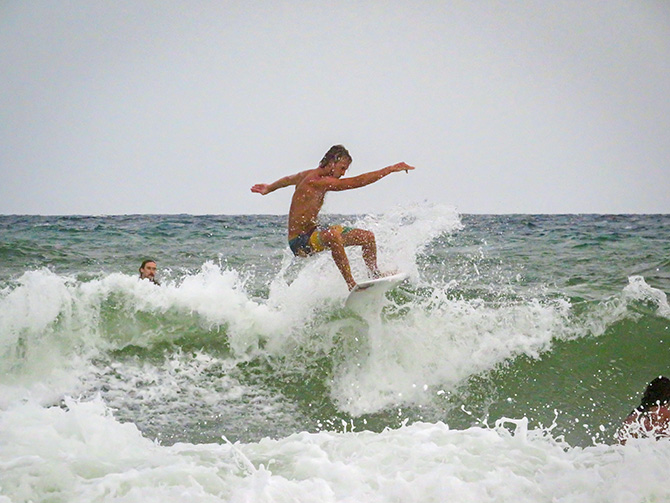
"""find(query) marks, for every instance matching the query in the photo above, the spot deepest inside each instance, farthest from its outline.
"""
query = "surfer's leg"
(366, 240)
(332, 238)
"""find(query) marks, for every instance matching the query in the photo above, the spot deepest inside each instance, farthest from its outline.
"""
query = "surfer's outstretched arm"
(354, 182)
(287, 181)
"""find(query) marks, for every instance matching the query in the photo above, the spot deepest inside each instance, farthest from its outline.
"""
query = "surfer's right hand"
(260, 188)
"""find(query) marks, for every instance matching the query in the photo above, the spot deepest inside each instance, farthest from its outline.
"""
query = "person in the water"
(652, 417)
(304, 237)
(148, 271)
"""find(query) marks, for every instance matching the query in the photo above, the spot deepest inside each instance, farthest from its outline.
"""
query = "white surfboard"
(368, 292)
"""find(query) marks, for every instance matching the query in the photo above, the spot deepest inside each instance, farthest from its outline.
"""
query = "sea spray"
(423, 462)
(537, 319)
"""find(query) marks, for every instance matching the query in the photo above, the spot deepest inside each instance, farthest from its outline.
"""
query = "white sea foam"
(80, 453)
(405, 231)
(440, 343)
(638, 290)
(52, 325)
(61, 336)
(621, 306)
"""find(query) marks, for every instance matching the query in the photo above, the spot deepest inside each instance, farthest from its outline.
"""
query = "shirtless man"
(310, 189)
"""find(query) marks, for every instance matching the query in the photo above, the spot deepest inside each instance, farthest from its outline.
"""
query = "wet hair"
(334, 154)
(657, 392)
(145, 262)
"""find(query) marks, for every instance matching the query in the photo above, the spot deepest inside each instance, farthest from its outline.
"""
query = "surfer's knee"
(362, 237)
(369, 236)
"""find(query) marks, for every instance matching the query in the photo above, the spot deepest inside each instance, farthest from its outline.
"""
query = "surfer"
(652, 417)
(304, 237)
(148, 271)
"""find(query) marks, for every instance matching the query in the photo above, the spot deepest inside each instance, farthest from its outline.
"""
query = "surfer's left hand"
(401, 166)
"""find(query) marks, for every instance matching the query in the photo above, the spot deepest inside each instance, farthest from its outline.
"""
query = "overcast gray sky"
(113, 107)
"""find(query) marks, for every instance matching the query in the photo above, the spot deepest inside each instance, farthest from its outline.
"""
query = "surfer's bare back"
(304, 237)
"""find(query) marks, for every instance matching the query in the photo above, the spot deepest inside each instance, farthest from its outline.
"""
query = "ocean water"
(499, 371)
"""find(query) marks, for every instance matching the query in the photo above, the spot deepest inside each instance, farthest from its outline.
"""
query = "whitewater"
(499, 371)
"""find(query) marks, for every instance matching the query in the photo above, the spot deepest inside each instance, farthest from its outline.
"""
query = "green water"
(559, 318)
